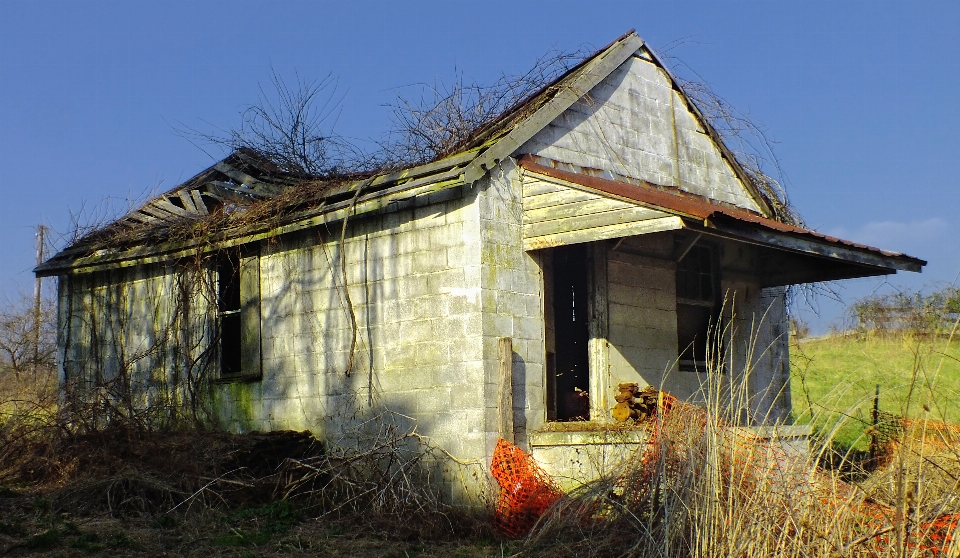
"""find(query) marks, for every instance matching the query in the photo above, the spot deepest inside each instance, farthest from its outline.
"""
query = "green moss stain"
(235, 404)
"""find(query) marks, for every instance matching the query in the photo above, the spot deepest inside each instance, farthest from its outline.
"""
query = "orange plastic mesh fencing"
(935, 436)
(936, 445)
(750, 463)
(526, 491)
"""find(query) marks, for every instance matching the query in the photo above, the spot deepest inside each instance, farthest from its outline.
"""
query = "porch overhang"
(787, 254)
(790, 259)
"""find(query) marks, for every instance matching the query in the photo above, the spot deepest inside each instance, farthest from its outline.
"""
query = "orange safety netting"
(526, 491)
(677, 430)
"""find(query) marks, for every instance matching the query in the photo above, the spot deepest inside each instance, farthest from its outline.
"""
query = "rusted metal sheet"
(707, 211)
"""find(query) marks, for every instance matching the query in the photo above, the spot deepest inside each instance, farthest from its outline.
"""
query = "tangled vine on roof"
(285, 156)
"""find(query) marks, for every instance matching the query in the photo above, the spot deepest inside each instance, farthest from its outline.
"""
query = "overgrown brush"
(376, 473)
(705, 487)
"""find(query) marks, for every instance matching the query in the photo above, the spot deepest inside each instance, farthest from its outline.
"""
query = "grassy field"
(835, 378)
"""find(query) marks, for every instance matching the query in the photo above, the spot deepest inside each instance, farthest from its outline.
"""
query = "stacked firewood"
(635, 404)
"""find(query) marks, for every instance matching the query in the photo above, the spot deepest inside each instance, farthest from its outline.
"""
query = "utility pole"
(37, 295)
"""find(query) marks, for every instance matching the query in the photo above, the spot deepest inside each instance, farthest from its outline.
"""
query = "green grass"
(837, 377)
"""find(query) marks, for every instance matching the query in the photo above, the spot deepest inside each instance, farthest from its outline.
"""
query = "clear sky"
(861, 97)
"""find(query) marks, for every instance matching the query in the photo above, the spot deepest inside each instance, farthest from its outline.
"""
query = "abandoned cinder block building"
(593, 234)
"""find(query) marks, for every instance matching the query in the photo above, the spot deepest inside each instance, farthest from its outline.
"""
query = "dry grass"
(132, 492)
(704, 487)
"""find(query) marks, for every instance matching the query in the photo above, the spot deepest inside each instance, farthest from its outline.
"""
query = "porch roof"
(792, 254)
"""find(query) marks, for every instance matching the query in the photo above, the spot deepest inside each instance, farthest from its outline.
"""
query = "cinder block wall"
(413, 278)
(633, 123)
(413, 281)
(643, 318)
(512, 284)
(147, 325)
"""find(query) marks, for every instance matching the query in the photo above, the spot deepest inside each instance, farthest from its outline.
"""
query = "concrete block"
(432, 353)
(413, 287)
(497, 325)
(427, 308)
(460, 304)
(528, 328)
(418, 331)
(398, 266)
(446, 236)
(465, 396)
(428, 261)
(429, 216)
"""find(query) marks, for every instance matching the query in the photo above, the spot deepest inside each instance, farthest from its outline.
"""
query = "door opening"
(568, 366)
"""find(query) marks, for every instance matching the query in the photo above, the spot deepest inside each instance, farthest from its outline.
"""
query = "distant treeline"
(935, 313)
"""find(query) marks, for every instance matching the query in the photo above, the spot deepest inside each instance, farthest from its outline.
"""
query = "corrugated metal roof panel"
(684, 203)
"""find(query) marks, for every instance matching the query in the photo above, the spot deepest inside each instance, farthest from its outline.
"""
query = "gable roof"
(245, 179)
(506, 135)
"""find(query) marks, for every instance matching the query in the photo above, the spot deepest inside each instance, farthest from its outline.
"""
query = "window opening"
(697, 306)
(238, 313)
(228, 312)
(568, 374)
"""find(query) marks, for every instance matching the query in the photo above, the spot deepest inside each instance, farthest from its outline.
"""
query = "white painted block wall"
(633, 123)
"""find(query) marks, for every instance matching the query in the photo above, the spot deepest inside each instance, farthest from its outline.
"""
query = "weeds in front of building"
(703, 486)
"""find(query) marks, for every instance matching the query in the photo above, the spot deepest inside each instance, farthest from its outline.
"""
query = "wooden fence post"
(505, 401)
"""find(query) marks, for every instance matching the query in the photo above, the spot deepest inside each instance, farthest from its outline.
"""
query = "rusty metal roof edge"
(692, 205)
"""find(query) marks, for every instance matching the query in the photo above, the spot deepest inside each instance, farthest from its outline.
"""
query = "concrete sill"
(781, 431)
(607, 434)
(588, 437)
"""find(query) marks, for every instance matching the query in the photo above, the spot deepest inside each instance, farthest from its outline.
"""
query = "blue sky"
(859, 96)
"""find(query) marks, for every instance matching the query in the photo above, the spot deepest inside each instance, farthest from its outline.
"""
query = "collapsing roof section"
(250, 199)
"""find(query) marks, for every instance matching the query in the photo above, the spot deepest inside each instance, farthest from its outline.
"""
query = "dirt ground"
(29, 527)
(209, 494)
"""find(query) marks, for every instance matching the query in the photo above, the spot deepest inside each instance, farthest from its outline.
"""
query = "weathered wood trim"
(393, 199)
(569, 93)
(597, 345)
(603, 233)
(187, 202)
(812, 246)
(137, 216)
(685, 246)
(246, 191)
(158, 212)
(572, 209)
(165, 204)
(732, 220)
(225, 194)
(239, 176)
(536, 187)
(447, 165)
(558, 197)
(251, 364)
(607, 218)
(198, 202)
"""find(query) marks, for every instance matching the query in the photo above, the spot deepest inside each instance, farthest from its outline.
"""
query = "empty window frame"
(567, 283)
(238, 314)
(698, 283)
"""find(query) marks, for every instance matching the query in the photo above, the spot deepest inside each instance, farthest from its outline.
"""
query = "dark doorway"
(697, 306)
(568, 373)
